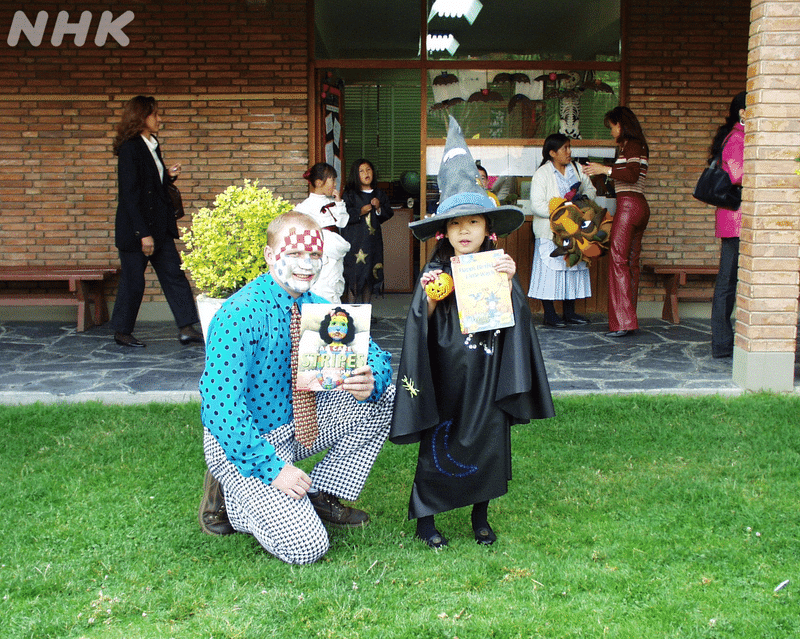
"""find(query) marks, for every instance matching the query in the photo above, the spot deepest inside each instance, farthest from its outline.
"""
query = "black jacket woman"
(146, 227)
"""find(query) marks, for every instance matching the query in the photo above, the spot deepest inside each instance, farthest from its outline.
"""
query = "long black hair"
(354, 179)
(737, 104)
(552, 142)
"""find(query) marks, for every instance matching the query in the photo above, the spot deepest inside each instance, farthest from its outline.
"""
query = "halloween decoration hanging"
(567, 88)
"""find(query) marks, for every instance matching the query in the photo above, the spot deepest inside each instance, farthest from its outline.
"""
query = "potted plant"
(225, 243)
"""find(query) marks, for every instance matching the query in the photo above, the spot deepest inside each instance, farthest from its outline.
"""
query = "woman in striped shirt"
(630, 221)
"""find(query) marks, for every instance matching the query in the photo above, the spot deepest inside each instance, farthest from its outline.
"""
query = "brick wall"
(685, 62)
(230, 78)
(766, 314)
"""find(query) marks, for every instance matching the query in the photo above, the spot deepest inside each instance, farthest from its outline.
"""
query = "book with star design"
(334, 340)
(483, 295)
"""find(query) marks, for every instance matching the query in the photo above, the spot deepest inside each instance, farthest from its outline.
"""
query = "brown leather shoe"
(212, 516)
(190, 335)
(332, 512)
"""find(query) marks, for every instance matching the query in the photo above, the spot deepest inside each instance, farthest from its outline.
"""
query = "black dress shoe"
(577, 319)
(435, 541)
(485, 536)
(189, 335)
(127, 340)
(620, 333)
(558, 323)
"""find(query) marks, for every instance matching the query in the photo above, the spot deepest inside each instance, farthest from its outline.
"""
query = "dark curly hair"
(326, 321)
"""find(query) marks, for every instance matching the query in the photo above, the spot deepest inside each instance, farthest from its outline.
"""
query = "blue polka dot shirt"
(246, 387)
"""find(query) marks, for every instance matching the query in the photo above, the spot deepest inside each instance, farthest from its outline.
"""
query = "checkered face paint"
(298, 260)
(308, 240)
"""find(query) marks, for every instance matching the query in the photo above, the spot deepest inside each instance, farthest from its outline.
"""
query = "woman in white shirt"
(551, 278)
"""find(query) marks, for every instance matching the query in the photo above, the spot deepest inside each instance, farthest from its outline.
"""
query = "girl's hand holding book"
(505, 264)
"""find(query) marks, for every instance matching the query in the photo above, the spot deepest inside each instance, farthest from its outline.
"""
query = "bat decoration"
(445, 78)
(445, 104)
(552, 77)
(510, 77)
(485, 95)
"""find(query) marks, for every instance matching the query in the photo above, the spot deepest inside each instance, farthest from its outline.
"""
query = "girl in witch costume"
(458, 395)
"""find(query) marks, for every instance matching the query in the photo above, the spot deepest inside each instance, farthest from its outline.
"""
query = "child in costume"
(368, 208)
(458, 395)
(327, 209)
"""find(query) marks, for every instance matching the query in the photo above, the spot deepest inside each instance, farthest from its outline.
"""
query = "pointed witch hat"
(460, 193)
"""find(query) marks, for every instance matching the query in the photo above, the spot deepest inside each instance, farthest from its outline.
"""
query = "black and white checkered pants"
(354, 432)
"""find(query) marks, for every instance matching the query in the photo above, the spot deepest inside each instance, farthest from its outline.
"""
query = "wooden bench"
(85, 285)
(675, 279)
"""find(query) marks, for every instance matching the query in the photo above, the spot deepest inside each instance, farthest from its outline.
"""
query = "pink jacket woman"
(729, 223)
(730, 138)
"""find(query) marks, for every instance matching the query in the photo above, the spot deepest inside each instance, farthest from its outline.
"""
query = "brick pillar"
(769, 263)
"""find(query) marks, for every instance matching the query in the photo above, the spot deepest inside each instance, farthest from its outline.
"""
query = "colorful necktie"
(303, 401)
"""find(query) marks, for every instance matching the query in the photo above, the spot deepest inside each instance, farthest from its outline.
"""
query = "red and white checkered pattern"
(306, 240)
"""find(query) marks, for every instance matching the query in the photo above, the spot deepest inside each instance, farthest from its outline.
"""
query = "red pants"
(625, 248)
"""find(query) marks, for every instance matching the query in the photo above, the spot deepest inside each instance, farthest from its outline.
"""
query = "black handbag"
(176, 199)
(714, 187)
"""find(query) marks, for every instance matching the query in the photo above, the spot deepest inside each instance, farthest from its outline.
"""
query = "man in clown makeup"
(252, 436)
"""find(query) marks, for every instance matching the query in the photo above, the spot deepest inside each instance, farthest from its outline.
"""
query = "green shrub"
(225, 244)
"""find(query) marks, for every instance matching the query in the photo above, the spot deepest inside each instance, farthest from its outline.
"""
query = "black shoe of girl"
(485, 535)
(435, 541)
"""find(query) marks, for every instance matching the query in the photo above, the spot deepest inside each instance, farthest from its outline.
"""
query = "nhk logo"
(107, 26)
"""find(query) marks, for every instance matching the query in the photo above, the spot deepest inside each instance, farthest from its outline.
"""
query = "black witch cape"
(458, 395)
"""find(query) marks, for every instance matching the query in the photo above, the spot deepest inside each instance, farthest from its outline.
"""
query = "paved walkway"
(51, 362)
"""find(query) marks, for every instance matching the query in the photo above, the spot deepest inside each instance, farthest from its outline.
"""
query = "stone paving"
(51, 362)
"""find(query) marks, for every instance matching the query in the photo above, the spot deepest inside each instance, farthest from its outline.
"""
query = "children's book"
(334, 340)
(483, 296)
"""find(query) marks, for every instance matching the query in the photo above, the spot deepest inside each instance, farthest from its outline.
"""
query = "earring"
(493, 237)
(439, 235)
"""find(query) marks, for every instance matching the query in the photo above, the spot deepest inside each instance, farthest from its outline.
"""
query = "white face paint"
(297, 262)
(296, 273)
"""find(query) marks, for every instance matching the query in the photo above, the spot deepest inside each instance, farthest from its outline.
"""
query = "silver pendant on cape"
(488, 346)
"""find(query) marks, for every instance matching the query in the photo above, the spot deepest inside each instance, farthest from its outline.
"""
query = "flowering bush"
(225, 244)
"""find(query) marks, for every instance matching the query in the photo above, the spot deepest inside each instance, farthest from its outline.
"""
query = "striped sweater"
(630, 168)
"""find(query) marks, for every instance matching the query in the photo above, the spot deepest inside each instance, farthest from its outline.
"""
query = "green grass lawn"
(628, 517)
